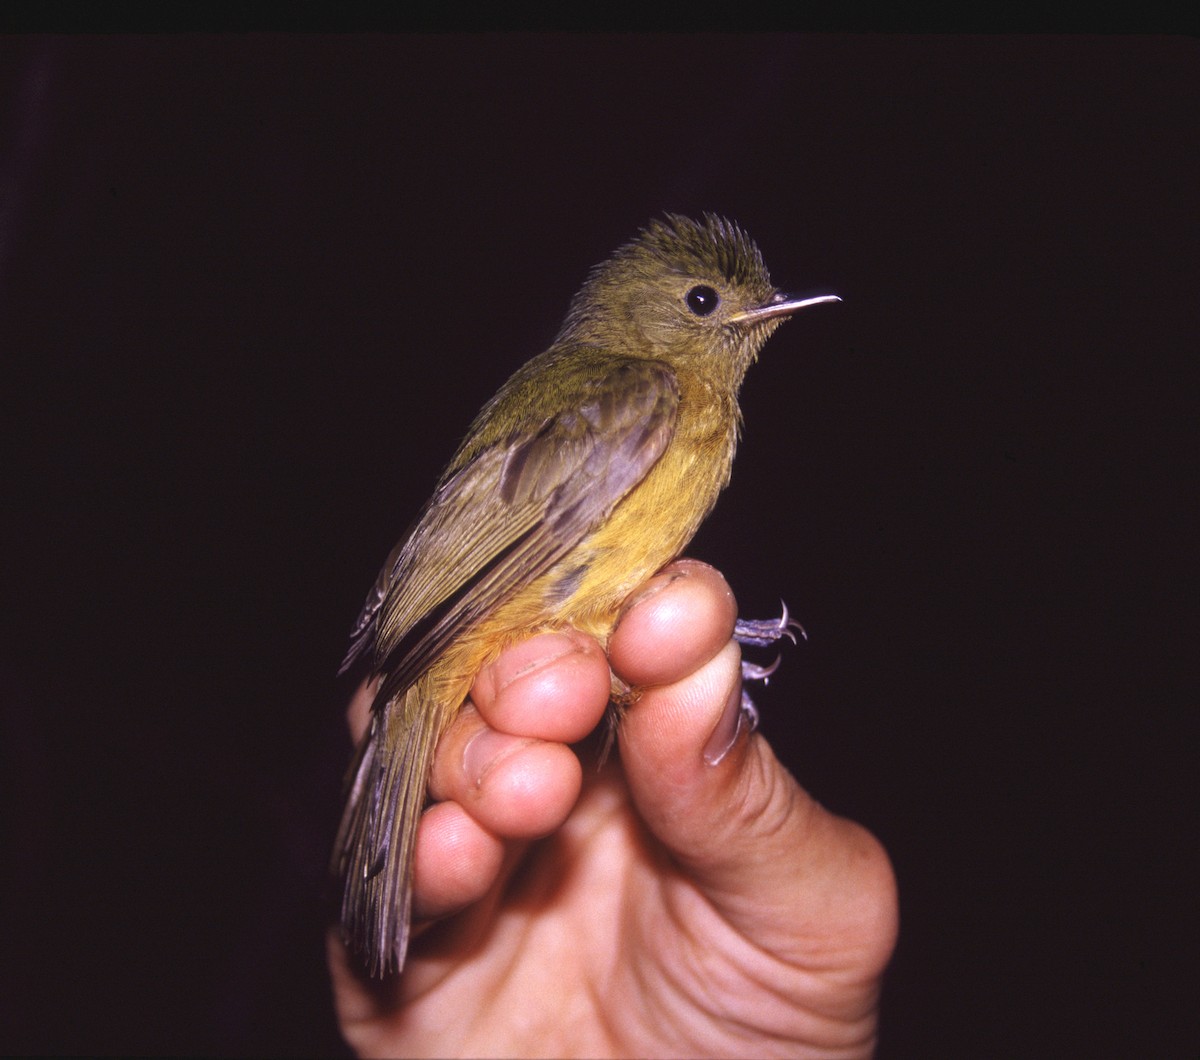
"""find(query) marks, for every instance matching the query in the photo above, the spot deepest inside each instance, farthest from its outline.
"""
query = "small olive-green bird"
(591, 469)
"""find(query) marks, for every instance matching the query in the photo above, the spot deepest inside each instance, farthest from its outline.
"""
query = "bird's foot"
(761, 633)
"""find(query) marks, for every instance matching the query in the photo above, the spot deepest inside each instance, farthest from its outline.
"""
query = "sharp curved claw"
(754, 672)
(764, 631)
(790, 623)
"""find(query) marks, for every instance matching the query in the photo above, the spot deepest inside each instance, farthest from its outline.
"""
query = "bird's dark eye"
(701, 300)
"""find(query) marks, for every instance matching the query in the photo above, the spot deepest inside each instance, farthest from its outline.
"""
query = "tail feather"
(377, 835)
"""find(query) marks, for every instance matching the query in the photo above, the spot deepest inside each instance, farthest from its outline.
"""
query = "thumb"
(778, 867)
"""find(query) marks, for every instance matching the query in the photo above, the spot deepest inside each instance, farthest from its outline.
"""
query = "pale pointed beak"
(779, 306)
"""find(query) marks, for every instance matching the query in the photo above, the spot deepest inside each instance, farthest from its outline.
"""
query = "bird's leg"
(761, 633)
(620, 698)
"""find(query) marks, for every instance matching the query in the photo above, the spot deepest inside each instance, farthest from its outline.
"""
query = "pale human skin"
(688, 900)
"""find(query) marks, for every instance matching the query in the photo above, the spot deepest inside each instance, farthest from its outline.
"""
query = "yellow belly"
(587, 589)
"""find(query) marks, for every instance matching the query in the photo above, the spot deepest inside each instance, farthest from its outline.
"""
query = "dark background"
(252, 290)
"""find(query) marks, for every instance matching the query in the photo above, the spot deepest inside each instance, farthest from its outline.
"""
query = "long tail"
(374, 849)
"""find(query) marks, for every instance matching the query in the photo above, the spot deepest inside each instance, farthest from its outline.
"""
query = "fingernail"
(652, 588)
(725, 735)
(524, 658)
(484, 750)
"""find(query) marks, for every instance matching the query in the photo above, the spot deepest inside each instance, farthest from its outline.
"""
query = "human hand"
(688, 899)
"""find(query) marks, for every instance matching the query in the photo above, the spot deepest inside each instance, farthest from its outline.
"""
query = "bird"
(590, 469)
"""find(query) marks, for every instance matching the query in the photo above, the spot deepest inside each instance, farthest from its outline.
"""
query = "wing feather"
(514, 509)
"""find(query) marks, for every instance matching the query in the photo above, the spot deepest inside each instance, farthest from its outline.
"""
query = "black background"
(255, 287)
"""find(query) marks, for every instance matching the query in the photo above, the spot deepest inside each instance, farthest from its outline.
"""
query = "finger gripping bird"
(591, 468)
